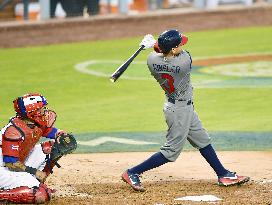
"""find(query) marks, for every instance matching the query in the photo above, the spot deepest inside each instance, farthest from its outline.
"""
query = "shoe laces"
(135, 178)
(229, 175)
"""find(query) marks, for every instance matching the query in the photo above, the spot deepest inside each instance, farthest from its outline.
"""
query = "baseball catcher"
(24, 162)
(171, 66)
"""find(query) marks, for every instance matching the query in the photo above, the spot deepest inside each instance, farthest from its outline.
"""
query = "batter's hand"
(148, 41)
(41, 176)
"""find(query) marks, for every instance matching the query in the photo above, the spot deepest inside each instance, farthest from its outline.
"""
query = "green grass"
(86, 103)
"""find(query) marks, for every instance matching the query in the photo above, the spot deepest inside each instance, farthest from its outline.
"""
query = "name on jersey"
(166, 68)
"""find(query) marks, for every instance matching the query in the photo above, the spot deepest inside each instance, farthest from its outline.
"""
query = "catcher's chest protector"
(28, 137)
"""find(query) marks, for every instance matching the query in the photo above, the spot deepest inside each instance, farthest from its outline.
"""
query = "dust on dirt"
(165, 192)
(95, 179)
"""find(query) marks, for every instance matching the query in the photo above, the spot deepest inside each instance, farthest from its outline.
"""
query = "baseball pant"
(10, 179)
(183, 124)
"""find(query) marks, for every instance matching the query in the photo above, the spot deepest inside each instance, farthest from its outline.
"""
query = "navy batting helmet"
(170, 39)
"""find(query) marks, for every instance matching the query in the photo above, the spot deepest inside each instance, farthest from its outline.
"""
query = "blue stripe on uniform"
(10, 159)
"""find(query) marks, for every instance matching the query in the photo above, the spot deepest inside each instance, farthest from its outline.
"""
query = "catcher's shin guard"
(47, 149)
(26, 195)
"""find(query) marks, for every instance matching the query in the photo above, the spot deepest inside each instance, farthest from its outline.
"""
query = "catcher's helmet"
(28, 104)
(29, 107)
(170, 39)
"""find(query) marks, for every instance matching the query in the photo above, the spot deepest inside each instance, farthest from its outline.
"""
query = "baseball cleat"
(231, 178)
(133, 180)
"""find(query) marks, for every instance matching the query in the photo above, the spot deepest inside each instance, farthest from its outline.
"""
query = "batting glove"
(148, 41)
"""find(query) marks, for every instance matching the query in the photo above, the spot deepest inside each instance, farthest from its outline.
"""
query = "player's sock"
(209, 154)
(154, 161)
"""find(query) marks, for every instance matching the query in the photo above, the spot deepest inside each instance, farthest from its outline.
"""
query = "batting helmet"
(170, 39)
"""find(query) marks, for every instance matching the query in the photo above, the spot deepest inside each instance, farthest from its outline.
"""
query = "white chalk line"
(83, 68)
(105, 139)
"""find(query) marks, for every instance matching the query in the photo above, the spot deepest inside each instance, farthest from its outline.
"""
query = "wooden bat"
(125, 65)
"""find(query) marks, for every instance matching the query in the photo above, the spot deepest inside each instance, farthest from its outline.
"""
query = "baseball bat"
(122, 68)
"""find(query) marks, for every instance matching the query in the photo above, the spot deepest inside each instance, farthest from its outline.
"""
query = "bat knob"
(112, 79)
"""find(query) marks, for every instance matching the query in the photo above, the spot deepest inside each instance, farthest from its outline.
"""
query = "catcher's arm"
(20, 167)
(64, 143)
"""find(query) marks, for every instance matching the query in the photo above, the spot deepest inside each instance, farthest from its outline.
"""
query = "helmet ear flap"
(184, 39)
(156, 48)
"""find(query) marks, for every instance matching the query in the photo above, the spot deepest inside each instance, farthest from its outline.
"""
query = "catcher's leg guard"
(47, 149)
(26, 195)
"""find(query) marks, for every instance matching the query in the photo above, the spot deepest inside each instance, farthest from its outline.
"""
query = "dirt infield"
(95, 179)
(116, 27)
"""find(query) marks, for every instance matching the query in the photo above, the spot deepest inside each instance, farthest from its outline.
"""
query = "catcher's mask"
(32, 106)
(171, 39)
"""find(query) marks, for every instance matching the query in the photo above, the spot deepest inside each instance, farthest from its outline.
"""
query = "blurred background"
(45, 9)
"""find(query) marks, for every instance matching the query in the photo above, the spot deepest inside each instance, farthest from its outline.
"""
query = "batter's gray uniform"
(173, 75)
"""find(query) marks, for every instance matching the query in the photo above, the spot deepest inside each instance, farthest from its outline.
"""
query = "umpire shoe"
(133, 180)
(231, 178)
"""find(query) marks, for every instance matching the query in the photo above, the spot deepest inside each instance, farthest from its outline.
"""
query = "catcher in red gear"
(24, 162)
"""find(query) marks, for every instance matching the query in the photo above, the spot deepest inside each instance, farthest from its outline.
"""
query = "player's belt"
(171, 100)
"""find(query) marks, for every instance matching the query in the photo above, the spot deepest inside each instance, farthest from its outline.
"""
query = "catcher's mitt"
(64, 144)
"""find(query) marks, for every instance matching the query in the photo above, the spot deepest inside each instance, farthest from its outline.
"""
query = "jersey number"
(169, 85)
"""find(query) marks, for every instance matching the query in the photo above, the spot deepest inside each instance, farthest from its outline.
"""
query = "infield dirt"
(96, 179)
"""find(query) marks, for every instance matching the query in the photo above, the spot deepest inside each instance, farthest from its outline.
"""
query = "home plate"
(198, 198)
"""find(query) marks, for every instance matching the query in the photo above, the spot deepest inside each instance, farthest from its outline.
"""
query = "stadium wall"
(21, 34)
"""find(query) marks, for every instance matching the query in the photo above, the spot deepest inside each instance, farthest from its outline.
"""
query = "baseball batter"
(171, 66)
(25, 164)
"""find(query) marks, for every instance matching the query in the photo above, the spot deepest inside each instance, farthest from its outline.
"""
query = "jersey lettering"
(166, 68)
